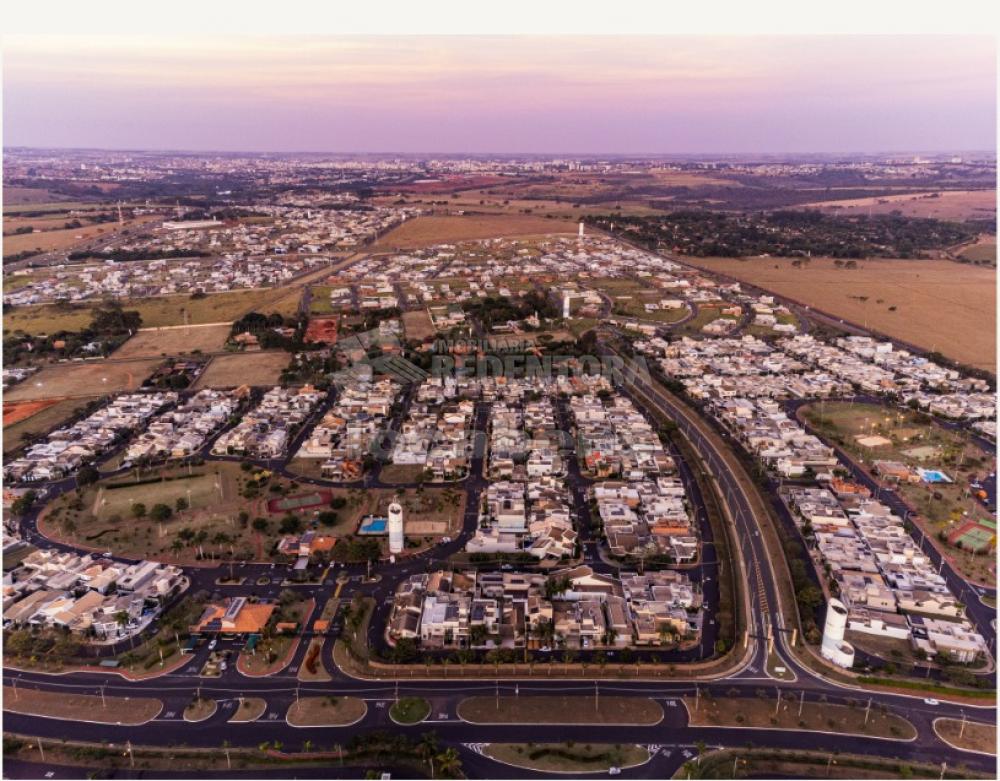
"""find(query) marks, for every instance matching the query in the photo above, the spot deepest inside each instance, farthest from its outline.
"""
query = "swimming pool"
(933, 476)
(373, 526)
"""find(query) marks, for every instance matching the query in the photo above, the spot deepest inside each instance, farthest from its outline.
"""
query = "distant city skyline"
(641, 95)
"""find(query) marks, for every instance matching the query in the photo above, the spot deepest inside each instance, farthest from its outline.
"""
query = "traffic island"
(766, 711)
(968, 735)
(326, 712)
(527, 709)
(568, 757)
(200, 709)
(249, 709)
(131, 711)
(409, 710)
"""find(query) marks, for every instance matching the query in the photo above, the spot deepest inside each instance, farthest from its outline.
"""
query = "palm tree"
(449, 763)
(427, 748)
(307, 746)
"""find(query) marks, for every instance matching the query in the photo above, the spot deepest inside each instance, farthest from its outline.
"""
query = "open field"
(81, 707)
(253, 368)
(417, 325)
(15, 411)
(73, 380)
(41, 422)
(568, 757)
(821, 716)
(159, 312)
(982, 250)
(973, 736)
(14, 196)
(175, 341)
(53, 240)
(326, 711)
(937, 204)
(425, 231)
(560, 710)
(935, 304)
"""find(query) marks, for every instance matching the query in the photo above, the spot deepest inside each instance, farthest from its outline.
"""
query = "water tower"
(396, 538)
(834, 647)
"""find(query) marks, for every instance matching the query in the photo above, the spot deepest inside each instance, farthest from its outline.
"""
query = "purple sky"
(508, 94)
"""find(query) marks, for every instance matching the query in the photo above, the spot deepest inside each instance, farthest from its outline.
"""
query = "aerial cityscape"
(331, 453)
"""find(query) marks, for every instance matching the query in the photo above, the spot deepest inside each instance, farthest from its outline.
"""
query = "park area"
(532, 709)
(870, 432)
(253, 368)
(84, 378)
(935, 304)
(151, 343)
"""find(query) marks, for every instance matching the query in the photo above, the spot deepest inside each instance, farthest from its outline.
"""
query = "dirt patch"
(424, 231)
(937, 204)
(312, 668)
(255, 368)
(74, 380)
(132, 711)
(200, 710)
(582, 709)
(972, 736)
(175, 341)
(322, 329)
(15, 412)
(417, 325)
(766, 712)
(935, 304)
(326, 711)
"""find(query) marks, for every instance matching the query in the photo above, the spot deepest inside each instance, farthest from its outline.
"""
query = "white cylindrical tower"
(834, 647)
(581, 230)
(396, 539)
(566, 307)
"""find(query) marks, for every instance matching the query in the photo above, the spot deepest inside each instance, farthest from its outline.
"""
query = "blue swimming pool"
(934, 476)
(373, 526)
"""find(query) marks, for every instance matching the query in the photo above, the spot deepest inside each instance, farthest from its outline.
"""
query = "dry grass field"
(74, 380)
(417, 325)
(47, 241)
(21, 196)
(425, 231)
(174, 341)
(982, 250)
(254, 368)
(938, 304)
(938, 204)
(159, 312)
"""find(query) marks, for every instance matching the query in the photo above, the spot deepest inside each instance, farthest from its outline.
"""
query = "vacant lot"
(79, 707)
(424, 231)
(939, 204)
(766, 713)
(74, 380)
(417, 325)
(982, 250)
(43, 421)
(254, 368)
(174, 341)
(935, 304)
(560, 710)
(48, 241)
(16, 411)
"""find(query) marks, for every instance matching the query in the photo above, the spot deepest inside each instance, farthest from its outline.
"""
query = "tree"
(121, 618)
(160, 512)
(23, 503)
(449, 763)
(328, 518)
(260, 524)
(181, 504)
(138, 510)
(87, 475)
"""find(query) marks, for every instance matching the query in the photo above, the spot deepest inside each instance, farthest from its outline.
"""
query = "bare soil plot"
(982, 250)
(424, 231)
(417, 325)
(561, 710)
(253, 368)
(250, 709)
(326, 711)
(132, 711)
(41, 422)
(935, 304)
(937, 204)
(174, 341)
(16, 411)
(972, 736)
(314, 659)
(767, 713)
(74, 380)
(568, 757)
